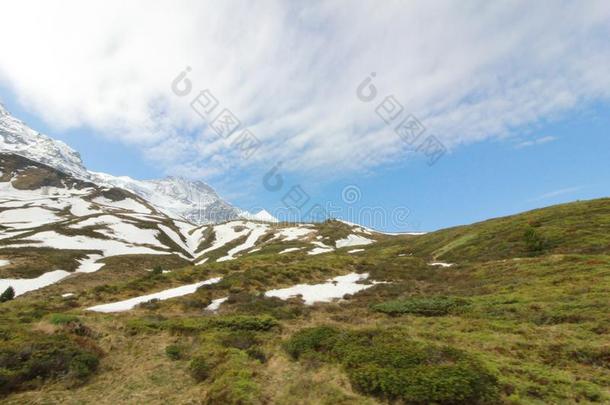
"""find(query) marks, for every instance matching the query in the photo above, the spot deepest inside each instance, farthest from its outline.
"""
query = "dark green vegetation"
(521, 318)
(8, 294)
(388, 364)
(27, 361)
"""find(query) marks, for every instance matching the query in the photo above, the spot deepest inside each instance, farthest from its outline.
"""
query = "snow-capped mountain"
(17, 137)
(262, 215)
(194, 201)
(44, 208)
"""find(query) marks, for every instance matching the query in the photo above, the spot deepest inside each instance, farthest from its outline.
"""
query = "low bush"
(174, 352)
(199, 368)
(234, 381)
(534, 243)
(143, 325)
(236, 322)
(62, 319)
(7, 295)
(320, 340)
(83, 364)
(241, 339)
(24, 364)
(258, 304)
(433, 306)
(588, 391)
(257, 354)
(387, 365)
(240, 322)
(150, 305)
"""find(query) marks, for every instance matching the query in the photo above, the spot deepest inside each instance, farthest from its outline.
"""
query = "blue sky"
(518, 93)
(471, 183)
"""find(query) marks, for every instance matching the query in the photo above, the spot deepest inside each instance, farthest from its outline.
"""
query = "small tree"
(8, 294)
(533, 241)
(157, 270)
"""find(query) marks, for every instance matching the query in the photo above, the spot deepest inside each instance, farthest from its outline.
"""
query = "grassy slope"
(537, 316)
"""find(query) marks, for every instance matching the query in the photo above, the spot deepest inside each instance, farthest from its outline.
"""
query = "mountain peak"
(263, 216)
(192, 200)
(16, 137)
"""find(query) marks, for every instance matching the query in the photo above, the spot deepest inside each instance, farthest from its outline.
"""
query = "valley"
(152, 309)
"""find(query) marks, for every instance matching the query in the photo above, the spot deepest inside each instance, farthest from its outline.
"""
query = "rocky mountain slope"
(42, 208)
(193, 201)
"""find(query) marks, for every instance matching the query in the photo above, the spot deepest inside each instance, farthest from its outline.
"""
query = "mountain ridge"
(194, 201)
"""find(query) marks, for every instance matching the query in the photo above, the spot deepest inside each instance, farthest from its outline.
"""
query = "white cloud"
(536, 141)
(469, 71)
(557, 193)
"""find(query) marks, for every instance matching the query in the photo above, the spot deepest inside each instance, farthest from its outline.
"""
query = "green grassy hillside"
(521, 317)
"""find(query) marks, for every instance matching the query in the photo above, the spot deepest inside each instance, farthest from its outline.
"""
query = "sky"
(399, 115)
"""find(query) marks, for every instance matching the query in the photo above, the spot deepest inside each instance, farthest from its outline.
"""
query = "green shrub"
(240, 339)
(258, 304)
(105, 288)
(234, 381)
(24, 364)
(589, 391)
(240, 322)
(174, 352)
(319, 340)
(151, 304)
(460, 383)
(236, 322)
(157, 271)
(142, 325)
(534, 243)
(8, 294)
(386, 364)
(595, 356)
(257, 354)
(199, 368)
(71, 324)
(62, 319)
(83, 365)
(433, 306)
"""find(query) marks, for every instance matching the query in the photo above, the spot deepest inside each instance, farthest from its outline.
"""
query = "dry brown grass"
(134, 371)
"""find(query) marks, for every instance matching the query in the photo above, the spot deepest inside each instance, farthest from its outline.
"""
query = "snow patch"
(23, 218)
(55, 240)
(126, 305)
(226, 233)
(321, 248)
(215, 304)
(176, 238)
(325, 292)
(89, 264)
(262, 215)
(288, 250)
(128, 204)
(294, 233)
(353, 240)
(23, 285)
(258, 231)
(441, 264)
(81, 208)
